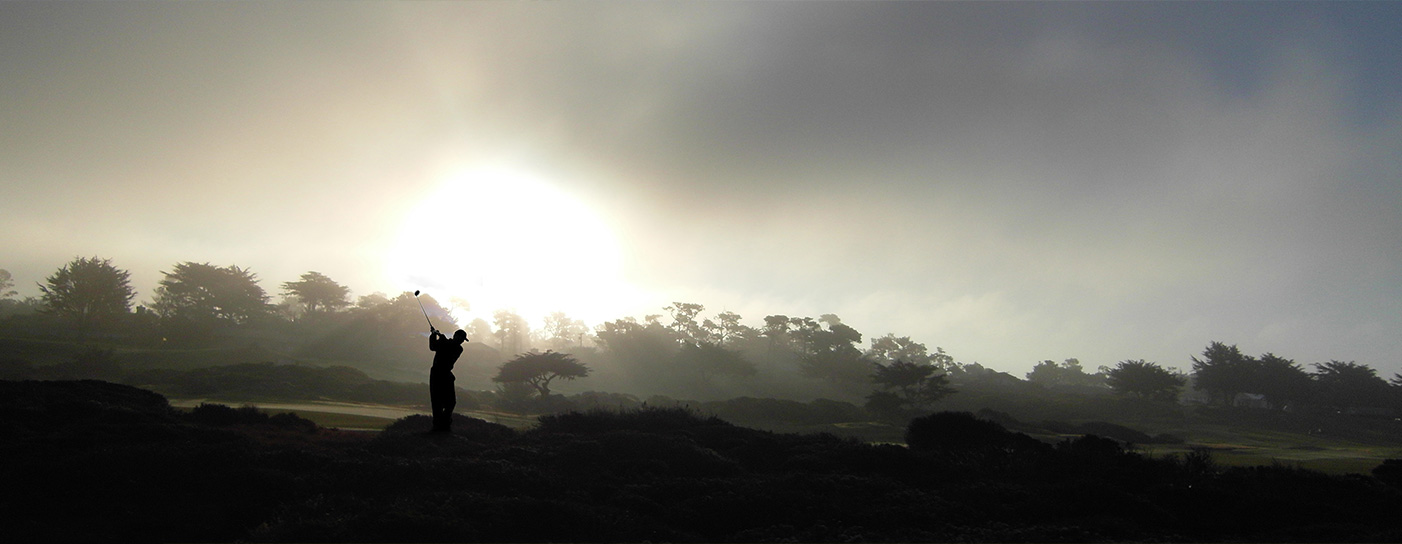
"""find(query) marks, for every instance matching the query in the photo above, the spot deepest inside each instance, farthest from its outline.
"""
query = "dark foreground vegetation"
(95, 461)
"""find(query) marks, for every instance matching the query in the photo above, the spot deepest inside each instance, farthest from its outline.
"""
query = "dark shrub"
(28, 394)
(642, 419)
(954, 431)
(1090, 446)
(521, 399)
(600, 400)
(291, 421)
(1200, 461)
(417, 423)
(220, 415)
(1389, 472)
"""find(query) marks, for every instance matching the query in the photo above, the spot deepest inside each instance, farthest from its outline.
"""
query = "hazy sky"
(1011, 181)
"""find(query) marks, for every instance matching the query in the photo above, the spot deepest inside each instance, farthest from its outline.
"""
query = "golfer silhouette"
(440, 378)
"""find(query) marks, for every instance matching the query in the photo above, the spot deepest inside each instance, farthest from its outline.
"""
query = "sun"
(508, 239)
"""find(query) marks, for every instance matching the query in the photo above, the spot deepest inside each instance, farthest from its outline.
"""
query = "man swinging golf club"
(442, 394)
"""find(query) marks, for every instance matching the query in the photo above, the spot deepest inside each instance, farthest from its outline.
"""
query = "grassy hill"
(94, 461)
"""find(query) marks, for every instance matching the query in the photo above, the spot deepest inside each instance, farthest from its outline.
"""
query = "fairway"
(356, 416)
(1240, 446)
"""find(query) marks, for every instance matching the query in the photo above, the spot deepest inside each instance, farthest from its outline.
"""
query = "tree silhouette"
(776, 332)
(1280, 380)
(729, 331)
(88, 293)
(318, 292)
(562, 332)
(1223, 372)
(1069, 372)
(890, 348)
(513, 333)
(480, 332)
(204, 291)
(712, 359)
(1345, 385)
(640, 348)
(803, 331)
(906, 387)
(7, 284)
(371, 300)
(684, 322)
(539, 369)
(1145, 380)
(384, 329)
(832, 354)
(195, 298)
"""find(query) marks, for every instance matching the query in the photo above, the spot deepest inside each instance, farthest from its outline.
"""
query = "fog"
(1013, 182)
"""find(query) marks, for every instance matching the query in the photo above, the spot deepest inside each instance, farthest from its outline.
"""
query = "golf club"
(421, 309)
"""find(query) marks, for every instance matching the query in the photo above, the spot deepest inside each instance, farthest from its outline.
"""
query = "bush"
(599, 400)
(662, 420)
(1389, 472)
(291, 421)
(219, 415)
(954, 431)
(1199, 461)
(1091, 446)
(521, 398)
(1117, 432)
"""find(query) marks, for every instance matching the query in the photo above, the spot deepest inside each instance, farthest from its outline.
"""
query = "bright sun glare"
(506, 239)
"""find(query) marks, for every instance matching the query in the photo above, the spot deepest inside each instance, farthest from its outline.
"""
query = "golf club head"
(416, 292)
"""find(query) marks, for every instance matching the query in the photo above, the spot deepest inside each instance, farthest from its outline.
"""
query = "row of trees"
(902, 376)
(681, 347)
(1225, 374)
(700, 352)
(194, 299)
(910, 380)
(191, 301)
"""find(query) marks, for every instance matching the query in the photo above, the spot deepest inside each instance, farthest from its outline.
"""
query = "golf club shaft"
(421, 309)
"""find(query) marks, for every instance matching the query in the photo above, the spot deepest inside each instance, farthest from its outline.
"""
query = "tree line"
(680, 350)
